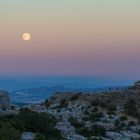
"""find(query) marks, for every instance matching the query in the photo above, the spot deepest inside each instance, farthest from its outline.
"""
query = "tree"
(43, 124)
(11, 133)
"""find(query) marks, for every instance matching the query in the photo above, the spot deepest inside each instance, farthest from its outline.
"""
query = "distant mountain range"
(15, 83)
(34, 95)
(35, 89)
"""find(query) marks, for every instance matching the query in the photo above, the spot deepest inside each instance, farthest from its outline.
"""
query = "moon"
(26, 36)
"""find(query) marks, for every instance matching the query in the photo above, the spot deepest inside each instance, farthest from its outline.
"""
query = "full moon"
(26, 36)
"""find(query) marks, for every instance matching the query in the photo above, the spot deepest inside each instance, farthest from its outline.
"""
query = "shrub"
(117, 122)
(85, 118)
(137, 114)
(95, 102)
(98, 130)
(75, 122)
(30, 121)
(9, 133)
(130, 107)
(63, 103)
(111, 113)
(36, 122)
(75, 97)
(99, 102)
(111, 108)
(93, 138)
(131, 123)
(122, 125)
(86, 112)
(85, 131)
(47, 103)
(40, 136)
(95, 109)
(53, 134)
(95, 116)
(119, 125)
(13, 107)
(123, 118)
(103, 104)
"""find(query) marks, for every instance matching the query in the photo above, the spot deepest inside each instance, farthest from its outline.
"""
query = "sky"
(91, 38)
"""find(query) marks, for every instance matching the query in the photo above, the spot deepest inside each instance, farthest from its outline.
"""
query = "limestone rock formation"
(27, 136)
(4, 100)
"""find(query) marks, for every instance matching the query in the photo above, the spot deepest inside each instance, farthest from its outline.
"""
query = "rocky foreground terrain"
(104, 116)
(113, 115)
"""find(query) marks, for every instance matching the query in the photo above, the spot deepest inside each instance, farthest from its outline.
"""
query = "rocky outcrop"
(115, 136)
(124, 135)
(5, 107)
(135, 87)
(27, 136)
(94, 116)
(137, 83)
(4, 100)
(131, 135)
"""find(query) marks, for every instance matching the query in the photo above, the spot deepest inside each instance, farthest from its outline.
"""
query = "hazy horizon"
(22, 82)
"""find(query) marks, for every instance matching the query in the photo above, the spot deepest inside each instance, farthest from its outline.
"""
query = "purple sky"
(76, 38)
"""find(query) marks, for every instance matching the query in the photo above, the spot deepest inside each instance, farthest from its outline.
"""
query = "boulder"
(27, 136)
(135, 129)
(76, 137)
(116, 136)
(103, 138)
(107, 126)
(131, 135)
(65, 127)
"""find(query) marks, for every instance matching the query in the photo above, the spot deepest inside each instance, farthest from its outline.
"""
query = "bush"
(103, 104)
(30, 121)
(95, 131)
(137, 114)
(95, 109)
(9, 133)
(53, 134)
(93, 138)
(131, 123)
(111, 108)
(75, 122)
(95, 116)
(111, 113)
(85, 131)
(98, 130)
(117, 122)
(122, 125)
(95, 102)
(36, 122)
(85, 118)
(86, 112)
(40, 136)
(47, 103)
(75, 97)
(63, 103)
(123, 118)
(119, 125)
(130, 107)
